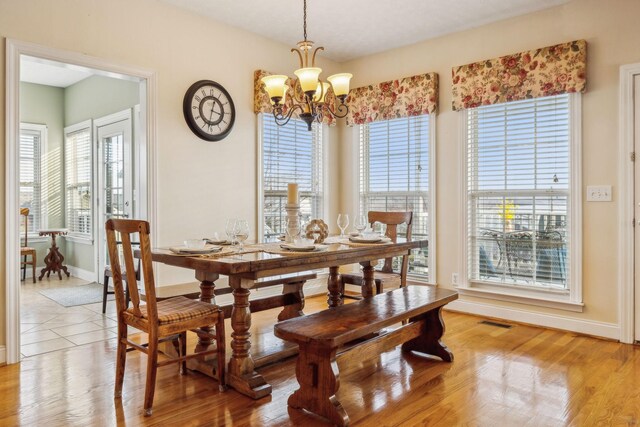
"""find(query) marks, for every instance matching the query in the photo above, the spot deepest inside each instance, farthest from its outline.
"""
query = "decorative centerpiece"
(317, 230)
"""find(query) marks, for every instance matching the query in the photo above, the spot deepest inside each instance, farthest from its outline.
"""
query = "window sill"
(78, 239)
(556, 301)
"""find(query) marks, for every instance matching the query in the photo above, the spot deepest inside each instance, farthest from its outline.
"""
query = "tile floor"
(47, 326)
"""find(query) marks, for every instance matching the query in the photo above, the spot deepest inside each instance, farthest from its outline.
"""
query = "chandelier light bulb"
(308, 78)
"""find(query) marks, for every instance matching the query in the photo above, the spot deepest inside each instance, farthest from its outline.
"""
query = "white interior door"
(114, 172)
(636, 132)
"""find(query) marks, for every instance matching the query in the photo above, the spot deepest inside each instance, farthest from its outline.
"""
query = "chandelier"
(310, 101)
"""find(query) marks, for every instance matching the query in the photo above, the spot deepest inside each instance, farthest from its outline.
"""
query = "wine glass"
(241, 232)
(229, 229)
(292, 228)
(361, 223)
(343, 223)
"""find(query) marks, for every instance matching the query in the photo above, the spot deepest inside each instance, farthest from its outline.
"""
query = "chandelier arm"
(313, 58)
(293, 49)
(295, 93)
(338, 113)
(283, 119)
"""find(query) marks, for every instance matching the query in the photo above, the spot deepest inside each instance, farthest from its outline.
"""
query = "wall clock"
(209, 110)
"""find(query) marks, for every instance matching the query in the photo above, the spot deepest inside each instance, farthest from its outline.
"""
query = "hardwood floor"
(523, 376)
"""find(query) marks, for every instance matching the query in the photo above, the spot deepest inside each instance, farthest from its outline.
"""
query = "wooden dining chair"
(392, 220)
(166, 320)
(108, 272)
(25, 250)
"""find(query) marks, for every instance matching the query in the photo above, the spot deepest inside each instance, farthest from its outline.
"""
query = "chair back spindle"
(127, 228)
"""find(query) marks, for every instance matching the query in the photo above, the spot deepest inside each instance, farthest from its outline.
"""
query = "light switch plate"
(598, 193)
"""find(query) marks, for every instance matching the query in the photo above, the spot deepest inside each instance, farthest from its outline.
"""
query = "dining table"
(245, 268)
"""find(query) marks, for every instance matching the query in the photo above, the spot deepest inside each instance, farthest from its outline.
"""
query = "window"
(521, 185)
(396, 175)
(32, 142)
(290, 153)
(78, 180)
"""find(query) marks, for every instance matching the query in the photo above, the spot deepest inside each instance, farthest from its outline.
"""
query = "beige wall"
(612, 34)
(200, 183)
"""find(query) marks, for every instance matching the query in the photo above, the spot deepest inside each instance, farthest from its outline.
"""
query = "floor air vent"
(496, 324)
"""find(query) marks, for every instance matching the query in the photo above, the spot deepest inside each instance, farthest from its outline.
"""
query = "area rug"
(70, 296)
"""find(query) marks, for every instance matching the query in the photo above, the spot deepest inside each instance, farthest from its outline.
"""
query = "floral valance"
(551, 70)
(262, 103)
(410, 96)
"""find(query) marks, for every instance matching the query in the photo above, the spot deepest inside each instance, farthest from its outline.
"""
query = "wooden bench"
(291, 299)
(321, 335)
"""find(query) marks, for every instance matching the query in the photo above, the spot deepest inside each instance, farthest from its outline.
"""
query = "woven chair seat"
(178, 309)
(27, 249)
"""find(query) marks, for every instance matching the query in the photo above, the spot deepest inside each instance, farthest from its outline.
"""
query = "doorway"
(143, 153)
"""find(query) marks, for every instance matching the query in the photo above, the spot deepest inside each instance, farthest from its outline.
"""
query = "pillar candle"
(292, 194)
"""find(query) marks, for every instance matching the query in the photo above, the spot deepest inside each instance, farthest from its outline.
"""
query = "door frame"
(110, 119)
(148, 96)
(626, 208)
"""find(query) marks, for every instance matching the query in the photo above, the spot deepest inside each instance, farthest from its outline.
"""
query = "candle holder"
(293, 214)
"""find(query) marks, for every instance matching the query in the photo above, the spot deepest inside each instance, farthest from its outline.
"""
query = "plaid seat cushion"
(178, 309)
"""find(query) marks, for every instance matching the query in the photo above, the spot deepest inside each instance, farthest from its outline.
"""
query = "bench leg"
(429, 341)
(293, 310)
(319, 380)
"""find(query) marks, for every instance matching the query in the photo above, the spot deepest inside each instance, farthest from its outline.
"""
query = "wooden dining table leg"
(241, 374)
(207, 288)
(367, 279)
(334, 297)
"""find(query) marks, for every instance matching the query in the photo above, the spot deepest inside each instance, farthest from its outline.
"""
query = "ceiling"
(51, 73)
(350, 29)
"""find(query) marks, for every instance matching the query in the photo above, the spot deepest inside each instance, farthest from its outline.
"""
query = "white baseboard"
(82, 274)
(3, 355)
(75, 272)
(588, 327)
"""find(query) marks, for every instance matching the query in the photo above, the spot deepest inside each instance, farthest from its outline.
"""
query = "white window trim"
(571, 300)
(34, 237)
(355, 208)
(260, 170)
(75, 237)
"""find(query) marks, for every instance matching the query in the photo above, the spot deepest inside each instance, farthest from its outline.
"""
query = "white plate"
(218, 242)
(183, 250)
(296, 248)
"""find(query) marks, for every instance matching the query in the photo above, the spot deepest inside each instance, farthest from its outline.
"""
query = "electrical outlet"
(598, 193)
(454, 278)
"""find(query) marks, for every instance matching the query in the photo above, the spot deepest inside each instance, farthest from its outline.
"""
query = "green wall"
(92, 98)
(44, 105)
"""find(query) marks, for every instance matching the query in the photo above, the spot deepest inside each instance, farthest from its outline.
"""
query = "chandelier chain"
(305, 19)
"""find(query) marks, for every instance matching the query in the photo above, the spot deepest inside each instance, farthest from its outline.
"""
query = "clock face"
(209, 110)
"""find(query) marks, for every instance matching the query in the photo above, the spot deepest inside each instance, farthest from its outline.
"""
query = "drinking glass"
(292, 228)
(241, 232)
(343, 223)
(361, 223)
(229, 229)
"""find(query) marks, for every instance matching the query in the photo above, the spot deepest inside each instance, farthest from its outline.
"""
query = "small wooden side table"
(53, 260)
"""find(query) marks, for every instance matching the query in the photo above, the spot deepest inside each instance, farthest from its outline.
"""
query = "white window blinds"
(290, 154)
(518, 192)
(78, 182)
(394, 175)
(30, 176)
